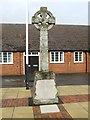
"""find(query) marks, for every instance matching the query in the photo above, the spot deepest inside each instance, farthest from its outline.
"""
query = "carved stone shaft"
(43, 50)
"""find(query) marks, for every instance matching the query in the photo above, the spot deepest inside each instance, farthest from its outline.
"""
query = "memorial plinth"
(44, 91)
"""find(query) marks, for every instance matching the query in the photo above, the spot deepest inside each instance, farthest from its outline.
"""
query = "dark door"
(33, 64)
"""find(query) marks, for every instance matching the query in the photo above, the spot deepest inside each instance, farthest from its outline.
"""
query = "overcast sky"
(65, 11)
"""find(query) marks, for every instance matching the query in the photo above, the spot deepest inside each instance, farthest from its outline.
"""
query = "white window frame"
(7, 58)
(78, 57)
(58, 57)
(33, 53)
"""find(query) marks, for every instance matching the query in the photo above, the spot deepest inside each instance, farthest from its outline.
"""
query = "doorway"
(33, 65)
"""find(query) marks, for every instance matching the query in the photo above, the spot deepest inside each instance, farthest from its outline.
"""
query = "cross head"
(43, 19)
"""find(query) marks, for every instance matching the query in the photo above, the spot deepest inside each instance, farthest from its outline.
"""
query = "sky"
(65, 11)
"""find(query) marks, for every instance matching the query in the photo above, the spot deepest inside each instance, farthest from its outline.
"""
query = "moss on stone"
(41, 75)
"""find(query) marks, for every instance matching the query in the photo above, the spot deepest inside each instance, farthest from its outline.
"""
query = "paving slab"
(85, 105)
(12, 90)
(0, 113)
(67, 91)
(7, 112)
(10, 96)
(0, 95)
(0, 90)
(76, 110)
(81, 89)
(4, 89)
(49, 108)
(24, 94)
(22, 89)
(23, 112)
(23, 115)
(73, 90)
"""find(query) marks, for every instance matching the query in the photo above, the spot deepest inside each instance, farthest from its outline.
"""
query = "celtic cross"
(43, 20)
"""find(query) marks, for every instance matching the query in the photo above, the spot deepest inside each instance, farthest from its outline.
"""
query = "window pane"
(35, 53)
(76, 56)
(56, 56)
(5, 57)
(80, 56)
(61, 56)
(4, 54)
(52, 56)
(9, 57)
(5, 60)
(0, 57)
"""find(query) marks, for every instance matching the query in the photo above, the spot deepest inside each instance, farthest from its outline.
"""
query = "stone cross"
(43, 20)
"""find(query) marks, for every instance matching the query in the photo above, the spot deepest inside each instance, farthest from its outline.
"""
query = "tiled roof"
(60, 37)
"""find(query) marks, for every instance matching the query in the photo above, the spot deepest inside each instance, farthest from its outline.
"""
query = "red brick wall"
(16, 68)
(88, 62)
(69, 66)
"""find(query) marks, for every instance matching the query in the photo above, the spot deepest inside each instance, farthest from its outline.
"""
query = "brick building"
(68, 50)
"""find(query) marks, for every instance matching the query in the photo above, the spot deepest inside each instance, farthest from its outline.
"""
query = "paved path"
(15, 103)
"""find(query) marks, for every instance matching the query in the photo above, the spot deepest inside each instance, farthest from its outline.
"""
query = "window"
(56, 57)
(34, 53)
(78, 56)
(0, 57)
(6, 58)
